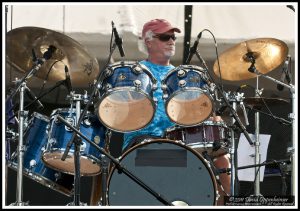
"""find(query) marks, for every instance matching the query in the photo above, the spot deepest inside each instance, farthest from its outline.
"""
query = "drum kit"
(55, 151)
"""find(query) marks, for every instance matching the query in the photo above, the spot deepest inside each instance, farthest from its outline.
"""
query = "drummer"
(159, 41)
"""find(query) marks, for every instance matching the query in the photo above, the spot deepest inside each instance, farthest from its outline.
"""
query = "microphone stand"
(291, 150)
(227, 170)
(240, 124)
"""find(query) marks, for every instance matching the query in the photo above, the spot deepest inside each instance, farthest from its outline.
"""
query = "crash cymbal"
(258, 101)
(21, 42)
(268, 53)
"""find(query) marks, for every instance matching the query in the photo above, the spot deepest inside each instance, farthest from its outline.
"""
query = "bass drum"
(169, 168)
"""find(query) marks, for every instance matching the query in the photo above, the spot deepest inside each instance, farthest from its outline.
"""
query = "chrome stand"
(257, 144)
(20, 150)
(235, 99)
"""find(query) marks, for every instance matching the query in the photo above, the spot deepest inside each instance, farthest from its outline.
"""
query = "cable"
(217, 54)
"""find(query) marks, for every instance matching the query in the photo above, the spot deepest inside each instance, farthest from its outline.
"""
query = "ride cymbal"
(268, 54)
(25, 43)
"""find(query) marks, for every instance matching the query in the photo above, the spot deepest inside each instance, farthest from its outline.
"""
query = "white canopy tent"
(90, 25)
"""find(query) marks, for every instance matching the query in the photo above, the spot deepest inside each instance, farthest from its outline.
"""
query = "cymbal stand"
(291, 150)
(21, 148)
(258, 92)
(77, 142)
(22, 116)
(257, 144)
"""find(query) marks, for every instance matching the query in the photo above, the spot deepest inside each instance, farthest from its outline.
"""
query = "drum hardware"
(76, 131)
(279, 162)
(234, 118)
(105, 167)
(118, 165)
(291, 87)
(21, 89)
(59, 83)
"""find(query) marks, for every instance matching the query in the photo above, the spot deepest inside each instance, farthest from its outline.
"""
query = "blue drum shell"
(192, 78)
(124, 76)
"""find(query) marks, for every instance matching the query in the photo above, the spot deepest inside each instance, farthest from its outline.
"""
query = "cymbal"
(23, 41)
(258, 101)
(269, 53)
(227, 116)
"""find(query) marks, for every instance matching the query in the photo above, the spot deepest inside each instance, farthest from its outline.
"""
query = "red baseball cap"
(158, 26)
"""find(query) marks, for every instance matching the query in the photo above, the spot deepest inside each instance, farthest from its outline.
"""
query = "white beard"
(170, 53)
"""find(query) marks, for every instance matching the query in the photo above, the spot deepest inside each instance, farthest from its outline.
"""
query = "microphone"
(118, 40)
(34, 98)
(284, 74)
(291, 7)
(68, 80)
(193, 49)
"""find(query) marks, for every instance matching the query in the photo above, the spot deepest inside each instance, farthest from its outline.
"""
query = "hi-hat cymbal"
(268, 53)
(23, 41)
(259, 101)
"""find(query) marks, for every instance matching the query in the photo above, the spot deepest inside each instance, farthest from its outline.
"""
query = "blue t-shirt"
(161, 121)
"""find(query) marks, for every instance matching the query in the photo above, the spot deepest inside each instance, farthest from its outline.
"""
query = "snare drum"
(169, 168)
(60, 135)
(35, 137)
(209, 136)
(126, 97)
(187, 96)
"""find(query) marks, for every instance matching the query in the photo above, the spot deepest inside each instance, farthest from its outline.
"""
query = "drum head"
(189, 107)
(170, 169)
(126, 110)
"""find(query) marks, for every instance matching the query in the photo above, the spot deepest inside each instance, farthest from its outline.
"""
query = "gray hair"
(142, 42)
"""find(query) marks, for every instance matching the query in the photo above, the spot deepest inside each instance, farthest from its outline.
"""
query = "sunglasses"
(165, 37)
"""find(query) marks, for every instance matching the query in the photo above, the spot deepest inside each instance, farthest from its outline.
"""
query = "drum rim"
(43, 180)
(189, 89)
(162, 140)
(187, 68)
(61, 151)
(119, 64)
(116, 89)
(204, 123)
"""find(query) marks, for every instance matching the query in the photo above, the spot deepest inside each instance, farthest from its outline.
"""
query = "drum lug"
(108, 87)
(165, 96)
(164, 87)
(87, 122)
(137, 70)
(82, 147)
(32, 163)
(108, 72)
(52, 141)
(154, 87)
(182, 83)
(155, 100)
(181, 73)
(137, 83)
(97, 140)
